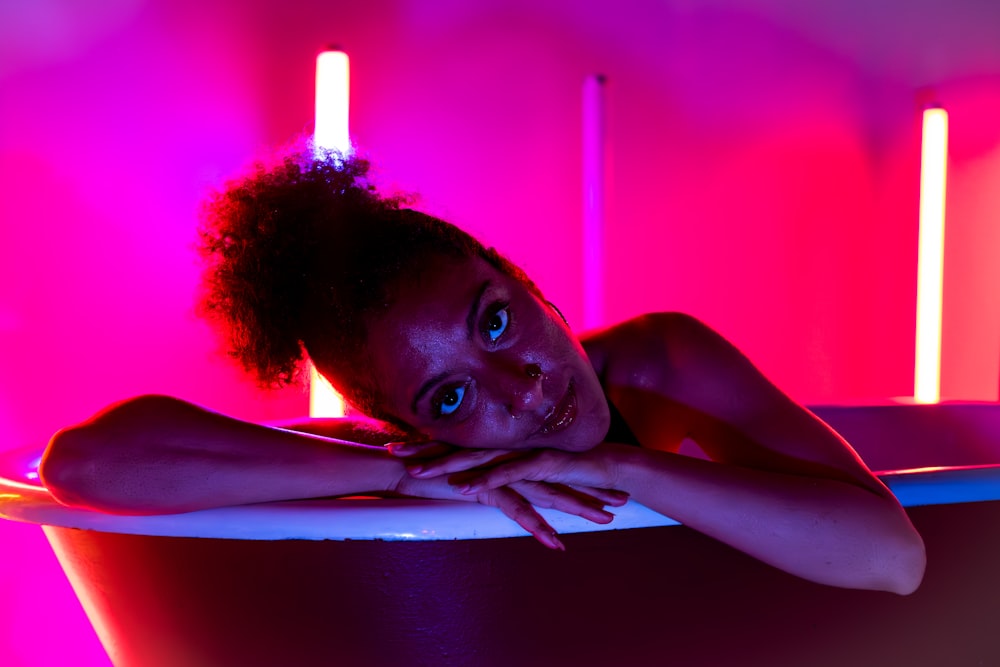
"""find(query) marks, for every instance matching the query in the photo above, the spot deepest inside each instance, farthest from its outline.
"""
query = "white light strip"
(593, 202)
(930, 261)
(324, 401)
(333, 95)
(331, 133)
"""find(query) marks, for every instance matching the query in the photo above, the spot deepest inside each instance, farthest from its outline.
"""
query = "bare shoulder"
(650, 367)
(651, 351)
(671, 371)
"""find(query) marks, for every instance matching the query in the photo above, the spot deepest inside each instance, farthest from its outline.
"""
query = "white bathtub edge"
(342, 519)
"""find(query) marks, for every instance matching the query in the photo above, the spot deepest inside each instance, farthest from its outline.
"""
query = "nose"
(523, 388)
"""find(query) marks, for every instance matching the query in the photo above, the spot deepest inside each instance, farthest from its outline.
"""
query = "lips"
(561, 415)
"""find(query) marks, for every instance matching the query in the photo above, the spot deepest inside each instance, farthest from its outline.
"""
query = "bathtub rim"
(25, 500)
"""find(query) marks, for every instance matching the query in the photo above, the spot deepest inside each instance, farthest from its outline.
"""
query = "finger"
(612, 497)
(526, 468)
(564, 499)
(459, 461)
(521, 511)
(427, 449)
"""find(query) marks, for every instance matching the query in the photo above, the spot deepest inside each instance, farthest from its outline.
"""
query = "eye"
(497, 324)
(449, 400)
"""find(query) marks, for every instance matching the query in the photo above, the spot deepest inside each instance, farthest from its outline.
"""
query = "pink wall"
(763, 176)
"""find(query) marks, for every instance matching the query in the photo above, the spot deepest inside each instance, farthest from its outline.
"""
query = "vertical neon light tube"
(331, 133)
(593, 201)
(333, 96)
(930, 262)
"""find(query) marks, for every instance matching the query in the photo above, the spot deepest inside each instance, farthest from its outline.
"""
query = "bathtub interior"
(901, 435)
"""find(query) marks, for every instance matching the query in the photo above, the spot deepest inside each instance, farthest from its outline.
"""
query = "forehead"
(439, 296)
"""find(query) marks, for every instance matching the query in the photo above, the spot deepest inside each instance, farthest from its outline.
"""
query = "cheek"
(559, 338)
(486, 433)
(489, 428)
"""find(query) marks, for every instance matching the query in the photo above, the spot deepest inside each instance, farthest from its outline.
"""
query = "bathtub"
(414, 583)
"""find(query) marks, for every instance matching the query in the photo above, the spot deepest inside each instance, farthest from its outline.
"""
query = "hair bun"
(267, 239)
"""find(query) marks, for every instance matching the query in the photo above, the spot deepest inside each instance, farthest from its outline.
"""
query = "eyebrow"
(470, 324)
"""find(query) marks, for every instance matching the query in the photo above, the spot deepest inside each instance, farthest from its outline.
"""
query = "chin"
(583, 436)
(583, 447)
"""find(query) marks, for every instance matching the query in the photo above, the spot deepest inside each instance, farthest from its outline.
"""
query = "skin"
(482, 367)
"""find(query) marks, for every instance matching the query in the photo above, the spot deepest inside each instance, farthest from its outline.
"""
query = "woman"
(483, 391)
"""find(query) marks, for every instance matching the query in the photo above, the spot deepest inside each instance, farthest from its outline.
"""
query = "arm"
(817, 528)
(159, 455)
(156, 454)
(781, 485)
(359, 430)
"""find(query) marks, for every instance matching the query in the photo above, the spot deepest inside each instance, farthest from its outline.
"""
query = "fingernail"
(415, 470)
(556, 542)
(463, 488)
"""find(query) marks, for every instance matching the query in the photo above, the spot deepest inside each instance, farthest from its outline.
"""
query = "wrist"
(626, 465)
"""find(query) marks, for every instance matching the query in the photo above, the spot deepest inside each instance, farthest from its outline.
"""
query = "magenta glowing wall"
(763, 162)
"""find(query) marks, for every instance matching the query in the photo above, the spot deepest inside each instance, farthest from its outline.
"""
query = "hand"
(596, 471)
(431, 459)
(515, 500)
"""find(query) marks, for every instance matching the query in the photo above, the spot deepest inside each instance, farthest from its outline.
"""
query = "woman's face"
(468, 356)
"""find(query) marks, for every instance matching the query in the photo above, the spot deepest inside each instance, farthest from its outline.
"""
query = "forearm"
(159, 455)
(821, 529)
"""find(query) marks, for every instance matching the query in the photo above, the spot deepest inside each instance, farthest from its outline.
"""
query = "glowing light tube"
(930, 261)
(593, 201)
(324, 401)
(333, 95)
(331, 133)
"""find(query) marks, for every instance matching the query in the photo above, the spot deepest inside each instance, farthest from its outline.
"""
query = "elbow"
(80, 469)
(67, 469)
(91, 465)
(907, 566)
(899, 564)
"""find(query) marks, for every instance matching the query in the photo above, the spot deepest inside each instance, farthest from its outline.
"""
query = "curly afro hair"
(302, 253)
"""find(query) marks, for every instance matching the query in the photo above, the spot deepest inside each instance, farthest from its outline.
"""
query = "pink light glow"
(751, 216)
(930, 264)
